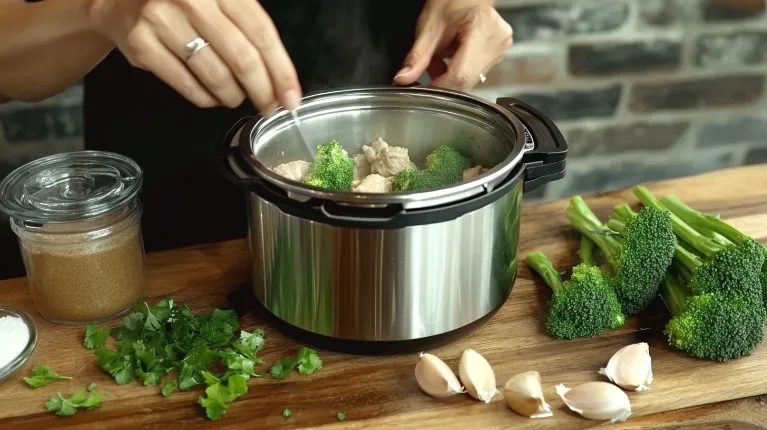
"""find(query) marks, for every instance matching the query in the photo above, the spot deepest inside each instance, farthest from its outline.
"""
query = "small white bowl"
(19, 361)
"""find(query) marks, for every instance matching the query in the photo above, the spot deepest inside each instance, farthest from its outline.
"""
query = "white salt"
(14, 335)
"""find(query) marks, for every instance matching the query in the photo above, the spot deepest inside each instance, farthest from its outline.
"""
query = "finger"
(469, 61)
(436, 68)
(174, 31)
(255, 23)
(420, 55)
(147, 50)
(235, 49)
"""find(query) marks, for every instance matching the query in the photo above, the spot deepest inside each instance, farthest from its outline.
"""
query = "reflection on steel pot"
(390, 272)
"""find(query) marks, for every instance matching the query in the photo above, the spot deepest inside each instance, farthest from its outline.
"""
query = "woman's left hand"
(468, 32)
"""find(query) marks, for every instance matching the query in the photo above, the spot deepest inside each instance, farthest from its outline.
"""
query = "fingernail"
(291, 98)
(402, 72)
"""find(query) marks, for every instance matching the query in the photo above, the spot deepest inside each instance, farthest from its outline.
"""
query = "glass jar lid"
(69, 187)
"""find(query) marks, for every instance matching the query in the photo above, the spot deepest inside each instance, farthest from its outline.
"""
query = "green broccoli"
(639, 259)
(411, 180)
(333, 169)
(723, 269)
(711, 326)
(717, 230)
(584, 306)
(587, 252)
(446, 164)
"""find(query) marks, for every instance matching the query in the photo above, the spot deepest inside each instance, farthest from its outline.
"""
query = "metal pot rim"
(481, 184)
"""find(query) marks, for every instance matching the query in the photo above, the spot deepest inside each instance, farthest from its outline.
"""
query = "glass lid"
(70, 186)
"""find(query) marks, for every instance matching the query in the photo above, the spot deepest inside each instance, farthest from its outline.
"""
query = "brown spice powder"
(90, 281)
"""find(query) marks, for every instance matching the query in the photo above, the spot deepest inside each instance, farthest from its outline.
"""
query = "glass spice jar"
(78, 219)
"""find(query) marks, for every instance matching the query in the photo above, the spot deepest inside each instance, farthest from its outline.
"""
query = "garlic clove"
(524, 395)
(597, 401)
(435, 377)
(477, 376)
(630, 368)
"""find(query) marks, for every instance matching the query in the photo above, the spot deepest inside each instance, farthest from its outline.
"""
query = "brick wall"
(643, 89)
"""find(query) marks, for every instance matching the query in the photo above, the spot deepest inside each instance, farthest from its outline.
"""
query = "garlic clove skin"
(435, 377)
(597, 401)
(477, 376)
(523, 394)
(630, 368)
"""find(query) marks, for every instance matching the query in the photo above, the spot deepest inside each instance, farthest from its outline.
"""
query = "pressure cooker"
(378, 273)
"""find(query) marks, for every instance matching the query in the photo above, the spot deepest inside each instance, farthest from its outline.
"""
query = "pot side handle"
(228, 159)
(546, 162)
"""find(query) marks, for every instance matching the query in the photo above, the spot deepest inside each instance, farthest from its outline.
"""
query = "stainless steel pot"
(395, 272)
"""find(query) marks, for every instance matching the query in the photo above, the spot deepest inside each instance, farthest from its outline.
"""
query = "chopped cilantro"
(286, 413)
(306, 360)
(341, 416)
(155, 340)
(66, 407)
(95, 337)
(43, 375)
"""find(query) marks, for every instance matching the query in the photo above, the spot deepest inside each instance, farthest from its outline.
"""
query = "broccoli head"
(639, 259)
(412, 180)
(583, 306)
(333, 169)
(711, 326)
(718, 230)
(734, 269)
(446, 164)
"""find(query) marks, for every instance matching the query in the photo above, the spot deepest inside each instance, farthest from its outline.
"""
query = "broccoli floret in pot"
(333, 169)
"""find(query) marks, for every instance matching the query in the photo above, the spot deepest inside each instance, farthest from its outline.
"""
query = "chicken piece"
(371, 152)
(387, 160)
(374, 183)
(473, 172)
(361, 167)
(295, 170)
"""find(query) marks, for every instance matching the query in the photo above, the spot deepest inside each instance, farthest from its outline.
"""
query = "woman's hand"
(245, 56)
(468, 32)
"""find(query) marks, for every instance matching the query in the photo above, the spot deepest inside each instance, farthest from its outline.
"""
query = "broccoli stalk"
(639, 259)
(582, 307)
(587, 252)
(719, 231)
(723, 269)
(710, 326)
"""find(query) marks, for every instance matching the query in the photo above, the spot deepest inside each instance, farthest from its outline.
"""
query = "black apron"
(333, 44)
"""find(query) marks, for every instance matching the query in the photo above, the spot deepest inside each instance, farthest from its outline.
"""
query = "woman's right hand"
(245, 56)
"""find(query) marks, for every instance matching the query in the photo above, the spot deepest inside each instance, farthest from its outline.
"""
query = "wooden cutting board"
(378, 392)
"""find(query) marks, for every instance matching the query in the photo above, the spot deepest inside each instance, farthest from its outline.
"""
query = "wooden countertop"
(381, 392)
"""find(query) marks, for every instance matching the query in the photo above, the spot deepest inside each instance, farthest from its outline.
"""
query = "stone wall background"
(642, 89)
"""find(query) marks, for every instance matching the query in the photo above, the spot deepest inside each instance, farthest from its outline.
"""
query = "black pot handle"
(229, 160)
(364, 216)
(546, 162)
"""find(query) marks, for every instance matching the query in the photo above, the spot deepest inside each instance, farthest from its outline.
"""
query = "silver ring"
(482, 78)
(195, 46)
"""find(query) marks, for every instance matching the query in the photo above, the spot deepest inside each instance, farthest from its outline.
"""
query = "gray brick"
(607, 59)
(757, 155)
(575, 104)
(621, 139)
(42, 122)
(563, 18)
(601, 178)
(751, 128)
(731, 49)
(734, 89)
(658, 12)
(727, 10)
